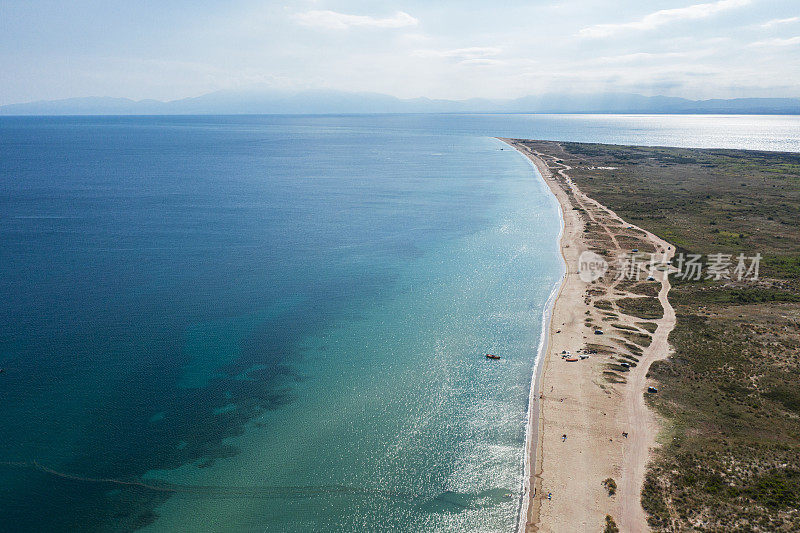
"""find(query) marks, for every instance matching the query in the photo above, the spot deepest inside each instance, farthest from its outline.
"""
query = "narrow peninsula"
(666, 400)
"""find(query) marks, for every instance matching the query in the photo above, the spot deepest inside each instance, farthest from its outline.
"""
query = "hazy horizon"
(233, 102)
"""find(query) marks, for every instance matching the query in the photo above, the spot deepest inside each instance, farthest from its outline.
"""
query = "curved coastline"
(532, 415)
(596, 451)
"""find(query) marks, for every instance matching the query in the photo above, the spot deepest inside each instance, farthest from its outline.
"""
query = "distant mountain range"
(324, 101)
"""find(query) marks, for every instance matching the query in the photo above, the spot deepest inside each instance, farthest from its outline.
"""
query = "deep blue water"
(277, 323)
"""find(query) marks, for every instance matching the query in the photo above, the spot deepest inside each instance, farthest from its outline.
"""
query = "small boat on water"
(492, 356)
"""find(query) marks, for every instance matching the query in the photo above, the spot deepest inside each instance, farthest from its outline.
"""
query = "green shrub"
(611, 526)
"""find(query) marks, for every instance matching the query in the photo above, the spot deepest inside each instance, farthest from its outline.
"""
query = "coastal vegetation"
(610, 485)
(645, 307)
(730, 454)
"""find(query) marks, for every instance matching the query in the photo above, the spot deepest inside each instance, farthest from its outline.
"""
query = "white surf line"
(532, 422)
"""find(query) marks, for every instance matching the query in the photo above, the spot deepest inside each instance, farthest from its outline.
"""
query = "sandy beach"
(590, 432)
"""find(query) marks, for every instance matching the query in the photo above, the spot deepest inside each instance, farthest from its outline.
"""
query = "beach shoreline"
(531, 429)
(565, 480)
(529, 515)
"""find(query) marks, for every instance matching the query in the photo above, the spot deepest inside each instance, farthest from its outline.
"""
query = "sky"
(439, 49)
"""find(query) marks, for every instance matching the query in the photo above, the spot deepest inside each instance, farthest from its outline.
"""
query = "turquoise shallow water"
(401, 420)
(273, 324)
(278, 323)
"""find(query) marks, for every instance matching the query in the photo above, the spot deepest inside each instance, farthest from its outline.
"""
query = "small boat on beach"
(571, 359)
(492, 356)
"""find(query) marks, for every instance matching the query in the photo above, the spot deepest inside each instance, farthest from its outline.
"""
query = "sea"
(279, 323)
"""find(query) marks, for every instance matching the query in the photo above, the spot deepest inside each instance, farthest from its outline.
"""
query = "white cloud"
(481, 62)
(472, 53)
(641, 57)
(660, 57)
(777, 22)
(333, 20)
(664, 16)
(414, 38)
(791, 41)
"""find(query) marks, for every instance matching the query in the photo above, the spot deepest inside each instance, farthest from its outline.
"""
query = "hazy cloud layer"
(446, 49)
(475, 52)
(777, 22)
(791, 41)
(664, 16)
(342, 21)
